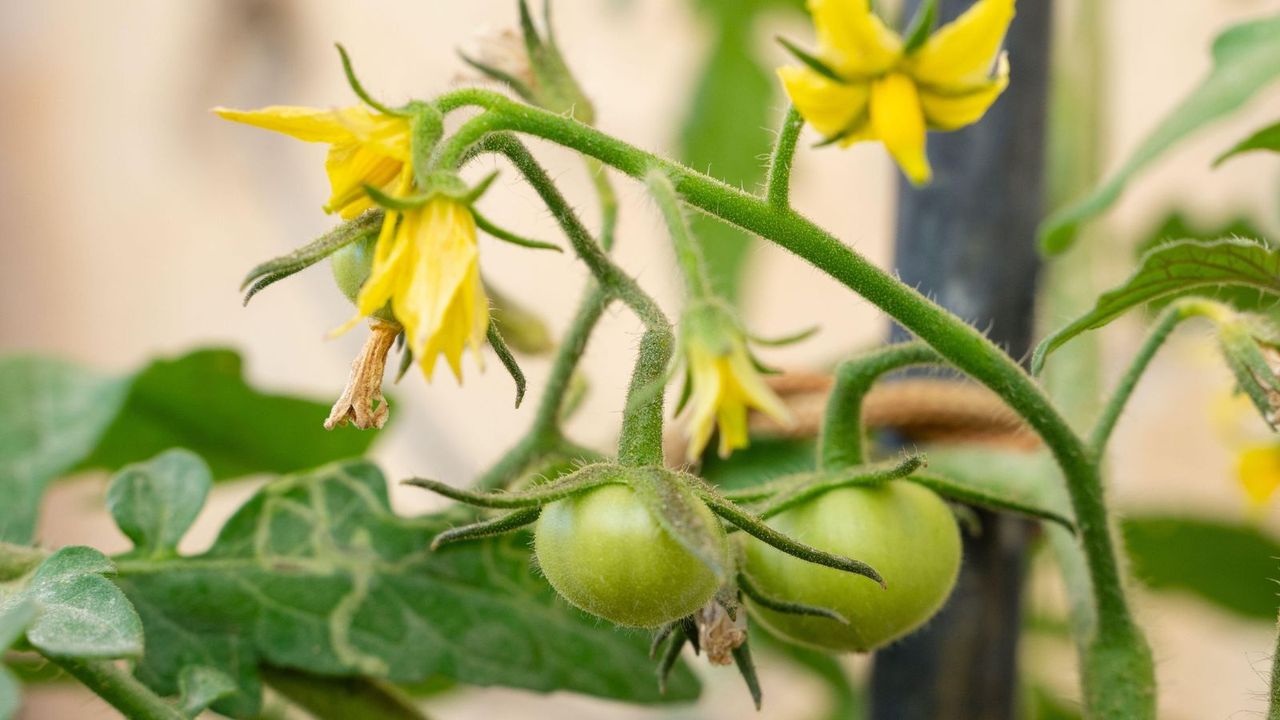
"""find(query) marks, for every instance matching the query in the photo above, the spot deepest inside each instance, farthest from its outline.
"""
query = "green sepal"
(271, 271)
(581, 480)
(810, 60)
(755, 527)
(358, 88)
(479, 189)
(508, 360)
(785, 340)
(751, 590)
(500, 525)
(505, 235)
(676, 510)
(399, 204)
(518, 86)
(921, 25)
(1254, 375)
(949, 488)
(747, 668)
(669, 658)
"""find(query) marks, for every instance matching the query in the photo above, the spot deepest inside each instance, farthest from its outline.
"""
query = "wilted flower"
(868, 83)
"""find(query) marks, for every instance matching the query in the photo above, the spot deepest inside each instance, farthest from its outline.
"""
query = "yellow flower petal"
(898, 121)
(952, 112)
(303, 123)
(1258, 470)
(444, 295)
(350, 167)
(830, 107)
(962, 52)
(852, 39)
(755, 391)
(705, 382)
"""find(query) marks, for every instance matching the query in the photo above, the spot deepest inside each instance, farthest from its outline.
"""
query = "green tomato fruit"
(604, 553)
(904, 531)
(351, 265)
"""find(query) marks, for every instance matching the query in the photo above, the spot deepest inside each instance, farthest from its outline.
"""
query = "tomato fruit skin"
(351, 265)
(605, 553)
(904, 531)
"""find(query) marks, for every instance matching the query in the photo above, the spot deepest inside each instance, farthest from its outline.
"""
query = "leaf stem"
(1169, 318)
(843, 438)
(113, 684)
(778, 184)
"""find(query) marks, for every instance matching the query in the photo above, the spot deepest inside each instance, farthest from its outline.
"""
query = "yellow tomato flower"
(1258, 470)
(879, 89)
(427, 264)
(723, 385)
(365, 147)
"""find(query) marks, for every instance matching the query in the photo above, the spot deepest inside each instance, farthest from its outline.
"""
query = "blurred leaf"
(52, 414)
(200, 686)
(725, 131)
(154, 503)
(1268, 138)
(315, 573)
(1173, 270)
(14, 619)
(1177, 226)
(1045, 705)
(1232, 566)
(200, 401)
(1246, 59)
(329, 698)
(767, 458)
(1011, 481)
(79, 613)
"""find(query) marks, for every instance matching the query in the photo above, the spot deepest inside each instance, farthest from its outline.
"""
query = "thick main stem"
(1117, 667)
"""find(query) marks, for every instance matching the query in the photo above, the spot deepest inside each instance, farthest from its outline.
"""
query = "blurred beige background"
(131, 213)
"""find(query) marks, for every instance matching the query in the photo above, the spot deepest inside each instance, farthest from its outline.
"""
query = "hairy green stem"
(689, 258)
(778, 183)
(1164, 325)
(1273, 708)
(120, 688)
(841, 443)
(640, 441)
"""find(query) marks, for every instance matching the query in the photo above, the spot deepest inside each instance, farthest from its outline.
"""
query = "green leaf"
(52, 414)
(327, 698)
(724, 132)
(155, 502)
(13, 621)
(1023, 482)
(1268, 138)
(315, 573)
(200, 401)
(200, 686)
(1173, 270)
(764, 460)
(1232, 566)
(79, 613)
(1246, 59)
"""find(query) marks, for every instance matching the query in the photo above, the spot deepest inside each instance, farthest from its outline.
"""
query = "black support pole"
(968, 241)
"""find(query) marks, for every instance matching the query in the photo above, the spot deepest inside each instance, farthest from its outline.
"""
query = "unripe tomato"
(901, 529)
(604, 553)
(351, 265)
